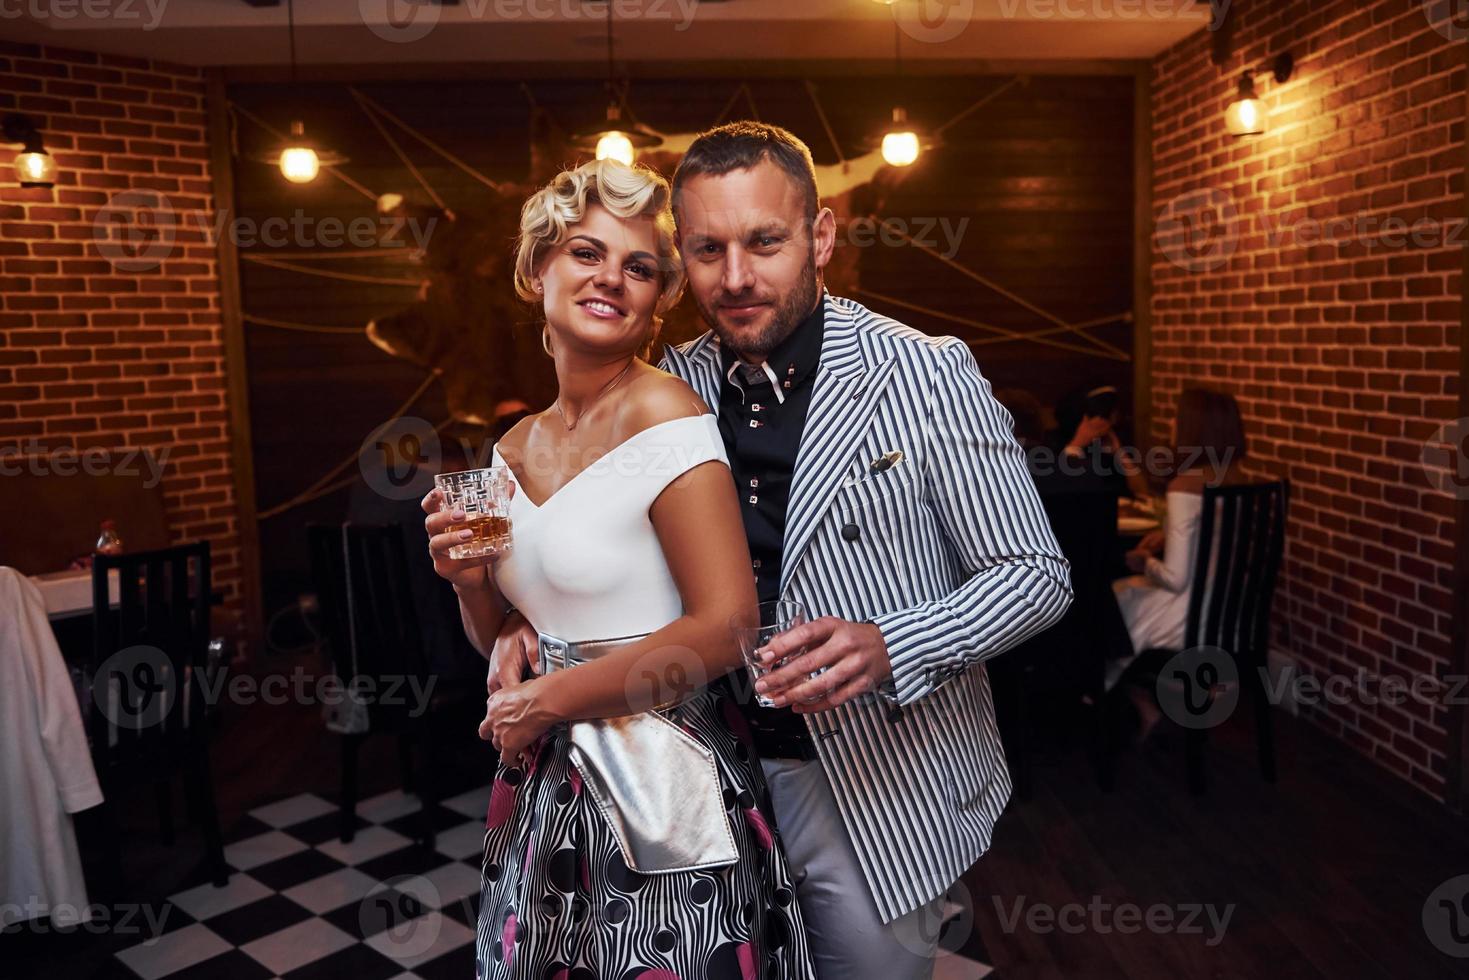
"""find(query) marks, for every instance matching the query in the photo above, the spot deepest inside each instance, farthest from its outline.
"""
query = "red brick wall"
(97, 352)
(1343, 352)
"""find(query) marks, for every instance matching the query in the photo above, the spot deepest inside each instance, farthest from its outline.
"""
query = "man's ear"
(823, 237)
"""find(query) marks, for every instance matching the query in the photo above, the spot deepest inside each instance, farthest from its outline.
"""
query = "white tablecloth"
(69, 593)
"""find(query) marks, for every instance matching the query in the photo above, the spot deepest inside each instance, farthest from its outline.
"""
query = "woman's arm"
(698, 523)
(482, 609)
(1172, 572)
(481, 606)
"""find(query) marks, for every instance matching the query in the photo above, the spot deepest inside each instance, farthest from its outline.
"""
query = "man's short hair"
(742, 145)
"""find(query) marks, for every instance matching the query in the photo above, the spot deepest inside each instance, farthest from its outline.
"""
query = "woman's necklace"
(570, 426)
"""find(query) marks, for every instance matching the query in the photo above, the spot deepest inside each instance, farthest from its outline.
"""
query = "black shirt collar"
(801, 350)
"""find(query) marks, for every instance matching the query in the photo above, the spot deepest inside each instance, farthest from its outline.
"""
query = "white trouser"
(848, 938)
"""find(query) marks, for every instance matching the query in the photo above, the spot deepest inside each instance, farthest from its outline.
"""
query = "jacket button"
(851, 532)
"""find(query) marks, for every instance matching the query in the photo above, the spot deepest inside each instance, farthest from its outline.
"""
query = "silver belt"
(656, 786)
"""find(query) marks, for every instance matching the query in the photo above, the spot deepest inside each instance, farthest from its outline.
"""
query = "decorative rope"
(750, 98)
(1030, 335)
(332, 255)
(825, 123)
(320, 487)
(1007, 335)
(1017, 80)
(278, 135)
(398, 150)
(733, 98)
(330, 273)
(262, 321)
(492, 185)
(991, 284)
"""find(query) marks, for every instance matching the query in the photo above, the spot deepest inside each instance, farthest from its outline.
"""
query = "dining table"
(68, 593)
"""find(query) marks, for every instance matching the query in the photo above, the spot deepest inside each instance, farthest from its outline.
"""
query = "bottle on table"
(109, 543)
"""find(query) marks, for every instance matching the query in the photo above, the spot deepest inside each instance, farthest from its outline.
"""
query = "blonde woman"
(627, 830)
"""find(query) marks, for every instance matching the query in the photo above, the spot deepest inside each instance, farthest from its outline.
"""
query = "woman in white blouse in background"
(1210, 441)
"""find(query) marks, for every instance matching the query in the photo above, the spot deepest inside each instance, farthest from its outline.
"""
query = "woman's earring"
(546, 339)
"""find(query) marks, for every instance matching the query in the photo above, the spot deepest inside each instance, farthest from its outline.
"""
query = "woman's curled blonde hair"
(627, 192)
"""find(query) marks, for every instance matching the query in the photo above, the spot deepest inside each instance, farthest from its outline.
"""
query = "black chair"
(1062, 668)
(1241, 543)
(149, 718)
(372, 630)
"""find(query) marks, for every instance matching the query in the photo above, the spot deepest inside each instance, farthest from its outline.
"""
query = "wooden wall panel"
(1040, 182)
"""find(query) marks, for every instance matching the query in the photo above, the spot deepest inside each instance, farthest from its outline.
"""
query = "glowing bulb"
(1245, 117)
(616, 146)
(35, 168)
(900, 148)
(299, 164)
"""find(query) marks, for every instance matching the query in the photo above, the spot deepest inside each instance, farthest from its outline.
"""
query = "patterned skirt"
(558, 902)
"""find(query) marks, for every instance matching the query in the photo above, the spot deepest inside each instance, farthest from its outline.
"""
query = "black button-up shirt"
(762, 412)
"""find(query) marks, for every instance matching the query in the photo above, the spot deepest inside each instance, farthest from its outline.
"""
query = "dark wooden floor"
(1326, 873)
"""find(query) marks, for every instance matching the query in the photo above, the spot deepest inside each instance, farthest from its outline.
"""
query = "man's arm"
(1019, 583)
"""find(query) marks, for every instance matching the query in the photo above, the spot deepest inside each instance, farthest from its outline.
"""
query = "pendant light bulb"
(900, 145)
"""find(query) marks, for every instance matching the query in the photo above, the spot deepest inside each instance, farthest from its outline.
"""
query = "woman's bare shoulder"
(1194, 481)
(512, 445)
(655, 397)
(1191, 481)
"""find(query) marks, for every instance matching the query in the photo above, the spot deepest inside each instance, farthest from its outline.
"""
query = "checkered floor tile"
(301, 905)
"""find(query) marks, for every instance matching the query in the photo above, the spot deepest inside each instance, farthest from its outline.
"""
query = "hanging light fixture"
(34, 167)
(902, 142)
(299, 159)
(1247, 114)
(616, 140)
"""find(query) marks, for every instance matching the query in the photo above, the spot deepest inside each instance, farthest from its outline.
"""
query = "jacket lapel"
(847, 388)
(697, 362)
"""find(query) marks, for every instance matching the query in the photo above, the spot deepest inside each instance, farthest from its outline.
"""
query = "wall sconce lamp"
(34, 167)
(1247, 115)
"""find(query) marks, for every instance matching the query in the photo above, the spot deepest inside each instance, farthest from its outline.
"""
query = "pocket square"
(886, 461)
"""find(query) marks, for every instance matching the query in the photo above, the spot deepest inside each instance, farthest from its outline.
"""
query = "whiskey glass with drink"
(484, 496)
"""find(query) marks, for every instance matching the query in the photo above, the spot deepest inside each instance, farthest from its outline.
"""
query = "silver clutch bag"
(655, 785)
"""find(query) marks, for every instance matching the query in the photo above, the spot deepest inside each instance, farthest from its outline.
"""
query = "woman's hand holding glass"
(463, 573)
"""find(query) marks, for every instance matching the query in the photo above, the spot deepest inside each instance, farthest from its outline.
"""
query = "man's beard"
(783, 321)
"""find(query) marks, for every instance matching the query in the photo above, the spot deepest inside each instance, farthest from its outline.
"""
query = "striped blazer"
(953, 560)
